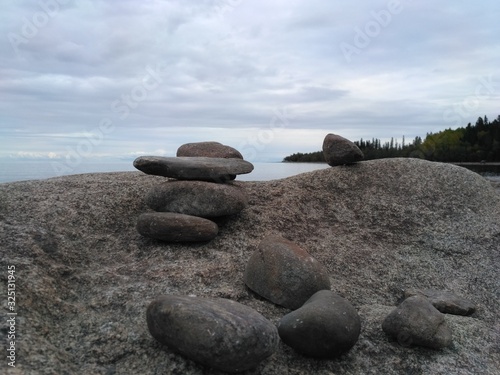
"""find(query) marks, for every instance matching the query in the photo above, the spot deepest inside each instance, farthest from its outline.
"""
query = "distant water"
(36, 170)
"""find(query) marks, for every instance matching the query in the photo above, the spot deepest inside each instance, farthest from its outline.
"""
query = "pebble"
(215, 332)
(198, 198)
(193, 168)
(285, 274)
(338, 150)
(326, 326)
(446, 302)
(174, 227)
(208, 149)
(416, 322)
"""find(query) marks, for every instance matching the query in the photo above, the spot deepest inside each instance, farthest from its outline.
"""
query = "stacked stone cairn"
(202, 191)
(228, 336)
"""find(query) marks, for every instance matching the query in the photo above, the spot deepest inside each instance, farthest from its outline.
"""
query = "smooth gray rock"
(174, 227)
(416, 322)
(446, 302)
(215, 332)
(193, 168)
(326, 326)
(198, 198)
(208, 149)
(282, 272)
(338, 150)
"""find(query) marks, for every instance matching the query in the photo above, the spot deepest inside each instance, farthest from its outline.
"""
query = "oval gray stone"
(198, 198)
(282, 272)
(208, 149)
(338, 150)
(446, 302)
(193, 168)
(215, 332)
(174, 227)
(416, 322)
(326, 326)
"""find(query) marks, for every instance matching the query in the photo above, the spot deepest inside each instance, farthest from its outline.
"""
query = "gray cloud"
(169, 72)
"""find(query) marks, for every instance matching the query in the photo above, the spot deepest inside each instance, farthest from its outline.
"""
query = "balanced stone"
(174, 227)
(446, 302)
(199, 198)
(338, 150)
(416, 322)
(326, 326)
(215, 332)
(208, 149)
(282, 272)
(193, 168)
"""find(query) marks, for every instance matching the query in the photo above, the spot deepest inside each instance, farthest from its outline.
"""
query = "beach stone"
(338, 150)
(215, 332)
(193, 168)
(208, 149)
(198, 198)
(326, 326)
(446, 302)
(285, 274)
(174, 227)
(416, 322)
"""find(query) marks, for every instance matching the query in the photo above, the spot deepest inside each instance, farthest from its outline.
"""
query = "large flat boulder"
(86, 276)
(193, 168)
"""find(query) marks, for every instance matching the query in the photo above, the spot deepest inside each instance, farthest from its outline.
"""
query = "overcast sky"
(97, 78)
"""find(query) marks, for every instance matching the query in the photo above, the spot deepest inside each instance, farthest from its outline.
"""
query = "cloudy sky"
(98, 79)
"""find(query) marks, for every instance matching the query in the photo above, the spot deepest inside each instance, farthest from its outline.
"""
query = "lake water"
(36, 170)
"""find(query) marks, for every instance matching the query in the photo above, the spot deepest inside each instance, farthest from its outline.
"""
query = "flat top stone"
(208, 149)
(193, 168)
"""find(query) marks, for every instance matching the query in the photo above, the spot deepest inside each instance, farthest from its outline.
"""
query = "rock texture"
(193, 168)
(284, 273)
(208, 149)
(326, 326)
(216, 332)
(86, 276)
(417, 322)
(198, 198)
(338, 150)
(446, 302)
(174, 227)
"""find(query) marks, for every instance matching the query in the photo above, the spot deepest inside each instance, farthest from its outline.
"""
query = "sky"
(95, 79)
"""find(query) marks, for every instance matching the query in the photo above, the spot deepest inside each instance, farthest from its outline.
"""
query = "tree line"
(473, 143)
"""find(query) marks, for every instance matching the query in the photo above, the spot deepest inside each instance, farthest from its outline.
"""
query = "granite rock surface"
(379, 227)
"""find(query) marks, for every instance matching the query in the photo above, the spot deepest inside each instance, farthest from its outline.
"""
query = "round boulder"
(198, 198)
(174, 227)
(326, 326)
(208, 149)
(338, 150)
(416, 322)
(282, 272)
(215, 332)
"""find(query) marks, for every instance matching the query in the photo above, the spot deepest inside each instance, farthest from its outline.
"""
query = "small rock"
(208, 149)
(446, 302)
(215, 332)
(198, 198)
(417, 322)
(174, 227)
(284, 273)
(326, 326)
(338, 150)
(193, 168)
